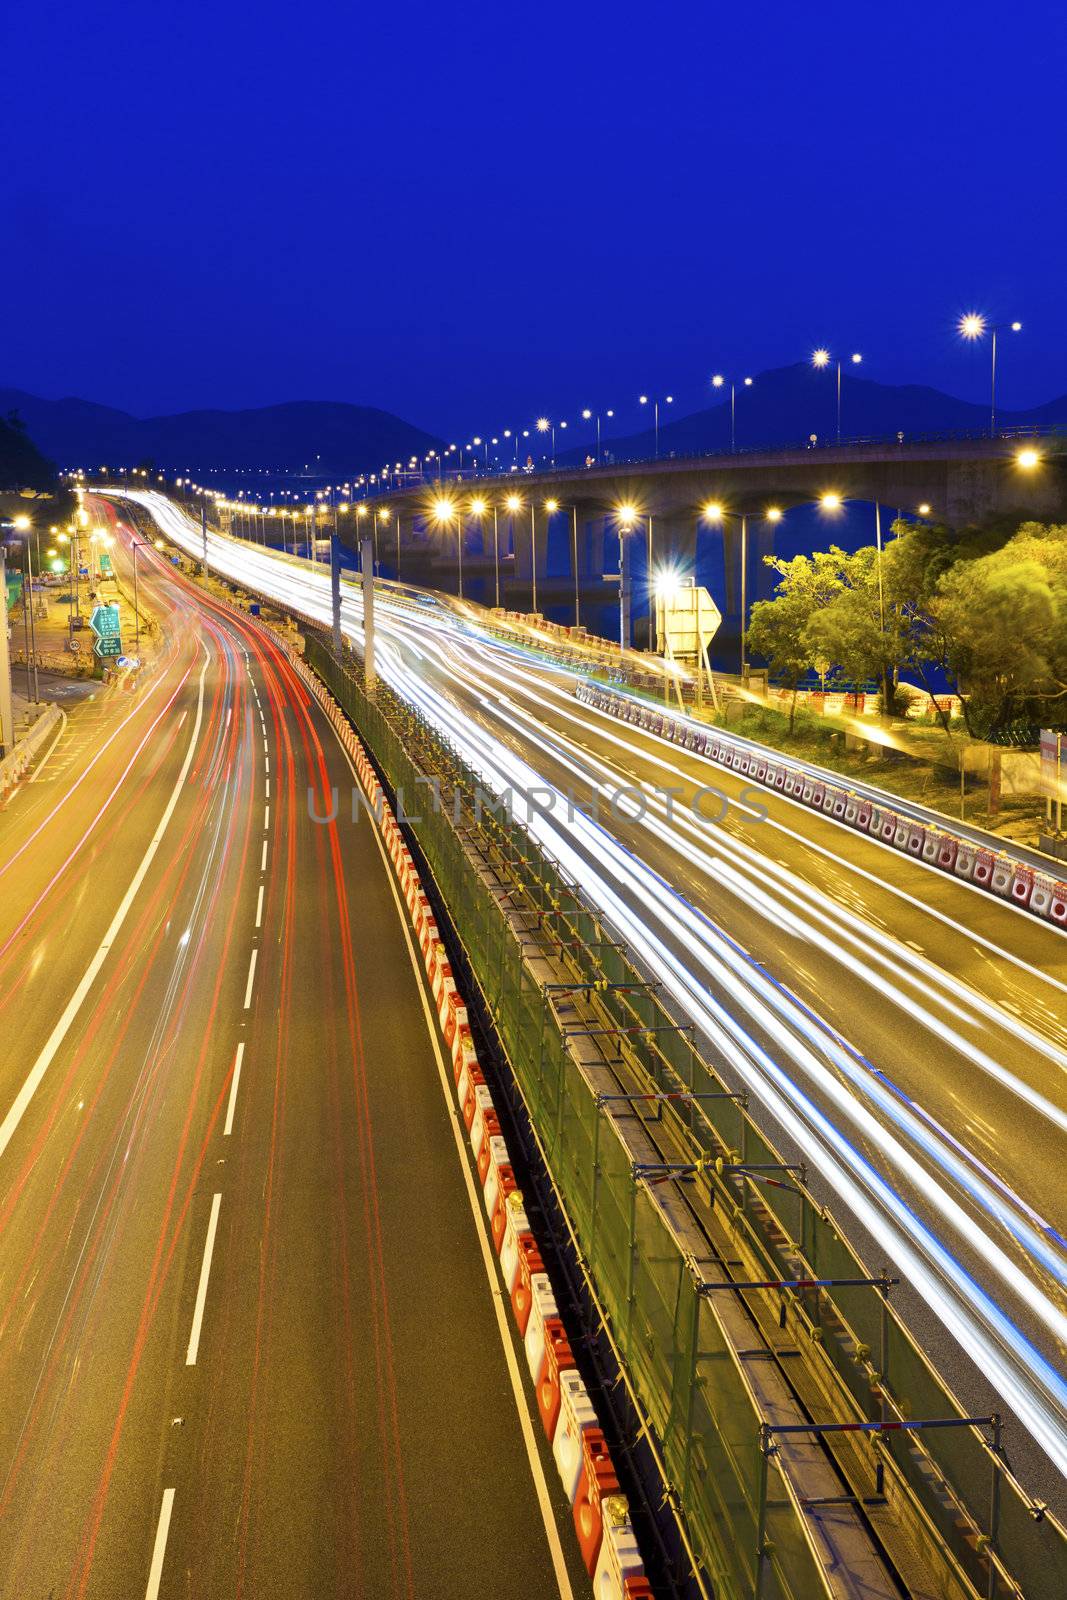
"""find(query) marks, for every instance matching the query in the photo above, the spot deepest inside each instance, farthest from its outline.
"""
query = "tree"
(1002, 621)
(778, 628)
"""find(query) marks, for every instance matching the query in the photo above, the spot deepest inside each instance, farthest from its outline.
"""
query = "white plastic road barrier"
(1003, 873)
(464, 1058)
(576, 1414)
(516, 1224)
(984, 867)
(498, 1160)
(542, 1307)
(619, 1557)
(483, 1110)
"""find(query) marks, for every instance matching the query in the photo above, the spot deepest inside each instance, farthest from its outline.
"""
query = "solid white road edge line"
(40, 765)
(232, 1106)
(159, 1549)
(537, 1471)
(201, 1288)
(77, 999)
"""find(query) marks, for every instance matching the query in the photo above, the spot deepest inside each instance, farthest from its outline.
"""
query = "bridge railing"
(718, 1451)
(567, 467)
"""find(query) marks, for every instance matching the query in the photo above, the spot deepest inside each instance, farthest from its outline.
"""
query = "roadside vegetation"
(983, 611)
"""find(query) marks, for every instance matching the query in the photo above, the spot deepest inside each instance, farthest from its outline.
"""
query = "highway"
(249, 1340)
(898, 1030)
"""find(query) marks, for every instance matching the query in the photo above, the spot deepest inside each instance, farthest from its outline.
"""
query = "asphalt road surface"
(901, 1032)
(249, 1344)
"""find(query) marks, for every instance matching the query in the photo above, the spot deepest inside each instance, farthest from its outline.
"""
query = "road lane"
(247, 1344)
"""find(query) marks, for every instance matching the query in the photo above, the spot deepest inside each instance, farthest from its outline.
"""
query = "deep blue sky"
(471, 214)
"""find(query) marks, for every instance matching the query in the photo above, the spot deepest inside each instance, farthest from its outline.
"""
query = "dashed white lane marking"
(263, 858)
(201, 1288)
(267, 787)
(77, 999)
(232, 1105)
(251, 978)
(259, 905)
(266, 818)
(266, 759)
(159, 1549)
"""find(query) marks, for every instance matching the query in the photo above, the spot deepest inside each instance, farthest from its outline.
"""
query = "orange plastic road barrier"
(597, 1480)
(506, 1185)
(522, 1296)
(558, 1358)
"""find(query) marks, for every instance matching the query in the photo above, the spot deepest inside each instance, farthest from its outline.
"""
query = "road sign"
(83, 572)
(105, 625)
(105, 564)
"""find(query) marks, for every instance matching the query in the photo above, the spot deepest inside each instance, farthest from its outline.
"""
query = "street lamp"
(587, 416)
(23, 525)
(668, 400)
(717, 382)
(972, 327)
(821, 359)
(443, 513)
(543, 425)
(626, 517)
(716, 512)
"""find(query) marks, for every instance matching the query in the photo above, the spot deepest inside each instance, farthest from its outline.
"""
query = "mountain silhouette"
(319, 437)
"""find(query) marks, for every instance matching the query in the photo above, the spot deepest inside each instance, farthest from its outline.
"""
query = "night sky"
(470, 215)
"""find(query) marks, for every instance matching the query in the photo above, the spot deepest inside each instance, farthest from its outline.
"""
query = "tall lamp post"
(821, 359)
(478, 508)
(718, 382)
(626, 518)
(23, 525)
(543, 425)
(512, 504)
(717, 513)
(972, 327)
(589, 415)
(444, 514)
(668, 400)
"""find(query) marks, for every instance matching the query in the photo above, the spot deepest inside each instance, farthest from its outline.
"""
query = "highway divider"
(924, 835)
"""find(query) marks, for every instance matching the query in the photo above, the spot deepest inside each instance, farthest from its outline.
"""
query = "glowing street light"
(820, 359)
(830, 501)
(444, 511)
(543, 425)
(974, 326)
(626, 517)
(714, 511)
(1027, 459)
(718, 382)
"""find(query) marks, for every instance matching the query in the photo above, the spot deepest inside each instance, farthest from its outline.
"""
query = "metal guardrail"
(980, 1531)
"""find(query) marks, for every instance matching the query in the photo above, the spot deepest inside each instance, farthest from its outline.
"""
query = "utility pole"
(335, 588)
(367, 561)
(203, 530)
(7, 720)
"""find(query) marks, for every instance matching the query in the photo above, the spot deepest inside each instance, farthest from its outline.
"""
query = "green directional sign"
(104, 623)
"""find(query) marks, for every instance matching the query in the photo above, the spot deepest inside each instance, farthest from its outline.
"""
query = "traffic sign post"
(104, 623)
